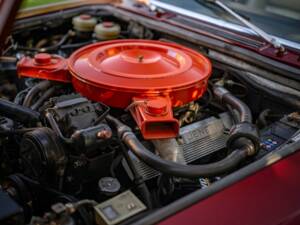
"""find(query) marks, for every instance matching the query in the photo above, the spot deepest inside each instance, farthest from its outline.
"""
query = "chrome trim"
(267, 37)
(215, 21)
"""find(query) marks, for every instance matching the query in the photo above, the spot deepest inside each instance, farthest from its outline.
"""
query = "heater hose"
(226, 98)
(243, 133)
(176, 169)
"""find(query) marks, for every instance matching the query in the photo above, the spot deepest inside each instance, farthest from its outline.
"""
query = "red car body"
(267, 195)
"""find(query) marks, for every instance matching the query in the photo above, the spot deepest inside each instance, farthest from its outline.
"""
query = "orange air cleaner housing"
(148, 78)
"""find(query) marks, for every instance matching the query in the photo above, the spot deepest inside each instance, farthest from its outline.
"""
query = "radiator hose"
(243, 142)
(176, 169)
(244, 132)
(226, 98)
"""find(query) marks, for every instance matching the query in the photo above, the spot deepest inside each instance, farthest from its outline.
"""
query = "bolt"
(104, 134)
(140, 58)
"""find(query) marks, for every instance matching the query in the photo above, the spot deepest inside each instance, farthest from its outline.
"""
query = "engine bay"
(104, 120)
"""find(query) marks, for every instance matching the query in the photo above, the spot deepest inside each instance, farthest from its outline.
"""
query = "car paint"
(269, 197)
(291, 56)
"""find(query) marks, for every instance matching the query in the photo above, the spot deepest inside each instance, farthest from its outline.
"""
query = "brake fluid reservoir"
(107, 31)
(84, 23)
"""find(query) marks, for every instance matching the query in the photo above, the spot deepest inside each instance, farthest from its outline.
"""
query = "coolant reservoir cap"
(108, 24)
(85, 16)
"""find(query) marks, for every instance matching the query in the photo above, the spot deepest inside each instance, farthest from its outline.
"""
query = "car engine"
(104, 120)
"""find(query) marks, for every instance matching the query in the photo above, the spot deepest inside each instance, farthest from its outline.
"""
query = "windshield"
(280, 18)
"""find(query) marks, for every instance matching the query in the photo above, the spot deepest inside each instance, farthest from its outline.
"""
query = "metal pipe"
(272, 40)
(169, 149)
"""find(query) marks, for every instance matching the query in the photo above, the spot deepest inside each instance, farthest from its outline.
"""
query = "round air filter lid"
(139, 66)
(148, 78)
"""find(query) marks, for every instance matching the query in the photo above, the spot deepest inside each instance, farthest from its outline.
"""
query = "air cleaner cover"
(147, 77)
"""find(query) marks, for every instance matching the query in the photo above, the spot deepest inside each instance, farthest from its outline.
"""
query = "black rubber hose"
(16, 131)
(48, 93)
(226, 98)
(172, 168)
(41, 86)
(262, 118)
(17, 112)
(180, 170)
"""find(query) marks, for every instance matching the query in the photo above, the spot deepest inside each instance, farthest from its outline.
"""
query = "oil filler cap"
(109, 186)
(42, 58)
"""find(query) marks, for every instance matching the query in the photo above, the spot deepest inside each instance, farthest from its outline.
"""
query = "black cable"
(262, 118)
(84, 215)
(47, 94)
(41, 86)
(141, 186)
(49, 48)
(114, 164)
(16, 131)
